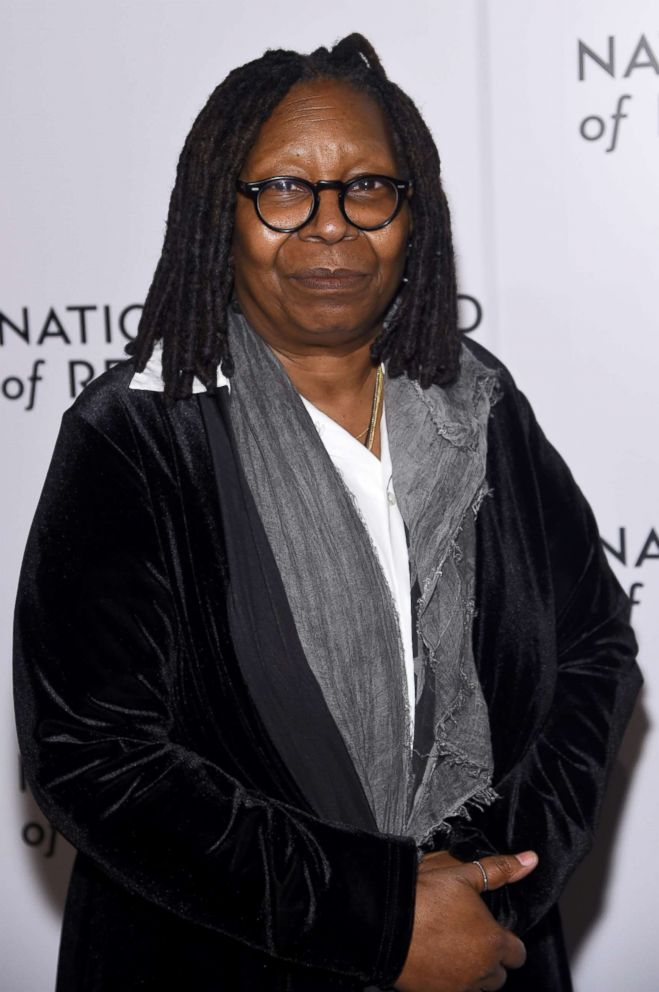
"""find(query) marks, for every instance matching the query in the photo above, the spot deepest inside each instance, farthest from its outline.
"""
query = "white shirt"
(370, 482)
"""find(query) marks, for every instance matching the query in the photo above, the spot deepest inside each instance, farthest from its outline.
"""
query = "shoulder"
(110, 388)
(108, 408)
(489, 360)
(510, 405)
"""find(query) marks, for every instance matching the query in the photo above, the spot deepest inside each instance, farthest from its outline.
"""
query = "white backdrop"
(547, 121)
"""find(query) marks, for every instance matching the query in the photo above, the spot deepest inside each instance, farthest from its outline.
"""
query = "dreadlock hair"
(187, 302)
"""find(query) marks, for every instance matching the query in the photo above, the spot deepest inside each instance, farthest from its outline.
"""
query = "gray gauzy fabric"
(340, 599)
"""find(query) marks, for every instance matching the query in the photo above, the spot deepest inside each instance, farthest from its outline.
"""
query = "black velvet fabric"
(223, 840)
(270, 653)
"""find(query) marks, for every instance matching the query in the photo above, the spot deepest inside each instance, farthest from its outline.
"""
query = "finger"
(501, 869)
(513, 952)
(438, 859)
(494, 981)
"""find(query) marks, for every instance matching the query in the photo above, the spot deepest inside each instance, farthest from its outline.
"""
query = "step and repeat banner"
(547, 121)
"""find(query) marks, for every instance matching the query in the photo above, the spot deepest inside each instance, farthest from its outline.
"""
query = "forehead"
(321, 120)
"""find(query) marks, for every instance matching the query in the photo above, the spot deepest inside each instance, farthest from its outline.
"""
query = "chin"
(341, 331)
(340, 321)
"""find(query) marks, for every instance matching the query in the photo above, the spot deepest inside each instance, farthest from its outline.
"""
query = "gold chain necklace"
(375, 410)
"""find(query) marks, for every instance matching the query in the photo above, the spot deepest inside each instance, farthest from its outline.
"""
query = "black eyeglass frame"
(253, 191)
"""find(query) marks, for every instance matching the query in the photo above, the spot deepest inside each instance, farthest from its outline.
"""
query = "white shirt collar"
(343, 446)
(151, 377)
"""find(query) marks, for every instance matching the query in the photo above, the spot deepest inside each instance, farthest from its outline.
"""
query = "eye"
(284, 189)
(367, 184)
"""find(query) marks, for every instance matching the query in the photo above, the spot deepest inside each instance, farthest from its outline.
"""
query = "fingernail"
(527, 858)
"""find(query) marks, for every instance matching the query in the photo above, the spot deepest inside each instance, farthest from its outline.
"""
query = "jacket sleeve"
(551, 798)
(93, 685)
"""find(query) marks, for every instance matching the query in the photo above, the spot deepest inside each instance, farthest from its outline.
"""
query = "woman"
(319, 662)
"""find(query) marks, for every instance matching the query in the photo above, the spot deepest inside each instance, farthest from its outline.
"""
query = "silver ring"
(486, 884)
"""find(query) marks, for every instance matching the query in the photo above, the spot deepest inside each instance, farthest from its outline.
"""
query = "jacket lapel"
(279, 679)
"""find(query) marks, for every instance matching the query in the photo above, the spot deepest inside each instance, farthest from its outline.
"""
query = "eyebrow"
(295, 171)
(369, 158)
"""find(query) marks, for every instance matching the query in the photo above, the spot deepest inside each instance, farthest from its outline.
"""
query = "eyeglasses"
(287, 203)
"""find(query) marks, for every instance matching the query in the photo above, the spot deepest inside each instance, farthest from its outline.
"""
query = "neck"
(331, 367)
(340, 386)
(325, 377)
(337, 377)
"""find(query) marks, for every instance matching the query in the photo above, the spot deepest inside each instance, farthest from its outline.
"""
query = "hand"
(457, 945)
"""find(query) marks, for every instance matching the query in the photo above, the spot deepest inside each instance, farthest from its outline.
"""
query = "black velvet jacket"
(172, 731)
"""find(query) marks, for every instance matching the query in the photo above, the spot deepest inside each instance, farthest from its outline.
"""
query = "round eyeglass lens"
(285, 204)
(370, 202)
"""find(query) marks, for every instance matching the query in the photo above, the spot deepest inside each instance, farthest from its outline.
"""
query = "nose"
(328, 224)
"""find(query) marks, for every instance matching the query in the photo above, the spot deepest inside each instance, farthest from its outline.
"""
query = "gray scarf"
(340, 599)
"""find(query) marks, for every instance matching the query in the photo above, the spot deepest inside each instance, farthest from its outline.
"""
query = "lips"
(324, 278)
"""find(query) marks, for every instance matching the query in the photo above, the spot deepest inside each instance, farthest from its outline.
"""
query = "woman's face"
(323, 129)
